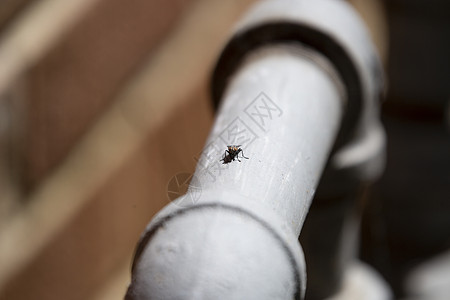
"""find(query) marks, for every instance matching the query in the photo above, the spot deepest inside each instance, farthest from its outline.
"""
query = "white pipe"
(247, 215)
(293, 73)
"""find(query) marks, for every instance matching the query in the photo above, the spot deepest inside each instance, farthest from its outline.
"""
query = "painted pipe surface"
(234, 234)
(295, 77)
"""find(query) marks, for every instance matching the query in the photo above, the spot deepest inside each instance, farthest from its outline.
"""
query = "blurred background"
(102, 102)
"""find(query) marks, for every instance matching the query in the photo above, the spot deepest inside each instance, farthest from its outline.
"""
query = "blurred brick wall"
(57, 102)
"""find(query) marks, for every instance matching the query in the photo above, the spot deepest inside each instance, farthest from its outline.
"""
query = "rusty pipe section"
(294, 86)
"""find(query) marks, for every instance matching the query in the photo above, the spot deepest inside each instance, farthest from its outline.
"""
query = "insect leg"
(243, 154)
(224, 155)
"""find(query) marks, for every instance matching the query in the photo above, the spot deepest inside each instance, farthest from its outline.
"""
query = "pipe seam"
(272, 33)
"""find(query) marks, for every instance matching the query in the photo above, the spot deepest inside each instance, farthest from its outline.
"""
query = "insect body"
(231, 153)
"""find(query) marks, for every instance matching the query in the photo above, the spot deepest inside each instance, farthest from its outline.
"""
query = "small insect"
(232, 153)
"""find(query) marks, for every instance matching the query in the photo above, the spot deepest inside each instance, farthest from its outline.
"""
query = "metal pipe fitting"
(289, 84)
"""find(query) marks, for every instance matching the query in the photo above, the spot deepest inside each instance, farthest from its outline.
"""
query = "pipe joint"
(334, 30)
